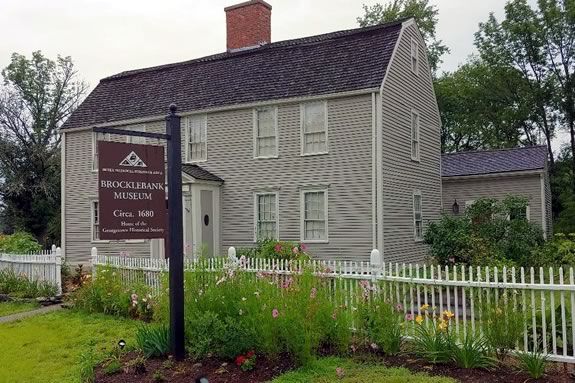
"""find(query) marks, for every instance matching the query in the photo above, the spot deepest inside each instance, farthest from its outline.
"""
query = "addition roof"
(337, 62)
(494, 161)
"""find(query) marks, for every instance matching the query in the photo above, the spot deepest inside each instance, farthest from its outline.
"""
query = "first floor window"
(266, 210)
(519, 213)
(95, 221)
(314, 215)
(417, 216)
(197, 148)
(266, 132)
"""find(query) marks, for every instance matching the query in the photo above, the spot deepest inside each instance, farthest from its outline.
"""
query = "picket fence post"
(375, 262)
(232, 255)
(94, 261)
(58, 252)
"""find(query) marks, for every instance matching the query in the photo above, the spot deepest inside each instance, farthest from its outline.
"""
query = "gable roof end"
(494, 161)
(337, 62)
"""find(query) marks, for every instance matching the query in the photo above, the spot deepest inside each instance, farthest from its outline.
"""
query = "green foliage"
(490, 232)
(502, 323)
(113, 367)
(37, 96)
(20, 286)
(153, 340)
(274, 249)
(472, 352)
(19, 243)
(9, 308)
(158, 376)
(424, 13)
(559, 251)
(432, 343)
(381, 323)
(533, 363)
(107, 294)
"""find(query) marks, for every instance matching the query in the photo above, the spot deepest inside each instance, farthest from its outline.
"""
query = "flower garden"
(253, 327)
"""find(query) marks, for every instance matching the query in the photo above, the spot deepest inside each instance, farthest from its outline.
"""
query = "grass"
(324, 371)
(9, 308)
(50, 348)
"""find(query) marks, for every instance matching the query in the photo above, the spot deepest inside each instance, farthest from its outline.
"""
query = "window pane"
(266, 216)
(314, 216)
(197, 135)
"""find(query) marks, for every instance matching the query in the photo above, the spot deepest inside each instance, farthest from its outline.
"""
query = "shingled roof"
(493, 161)
(200, 173)
(330, 63)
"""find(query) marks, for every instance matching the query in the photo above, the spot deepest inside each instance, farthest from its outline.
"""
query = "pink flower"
(353, 348)
(409, 317)
(303, 247)
(313, 293)
(339, 372)
(295, 250)
(287, 283)
(278, 248)
(275, 313)
(374, 346)
(399, 307)
(134, 297)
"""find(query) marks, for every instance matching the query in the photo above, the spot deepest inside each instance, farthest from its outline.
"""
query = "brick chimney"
(248, 24)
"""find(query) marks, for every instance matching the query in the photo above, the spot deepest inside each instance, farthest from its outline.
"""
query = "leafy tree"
(424, 14)
(37, 96)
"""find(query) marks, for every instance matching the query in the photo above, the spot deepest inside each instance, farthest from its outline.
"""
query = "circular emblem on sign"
(206, 220)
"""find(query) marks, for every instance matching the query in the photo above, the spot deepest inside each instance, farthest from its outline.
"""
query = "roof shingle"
(331, 63)
(493, 161)
(200, 173)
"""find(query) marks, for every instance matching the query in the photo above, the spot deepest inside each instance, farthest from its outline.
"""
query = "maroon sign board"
(131, 191)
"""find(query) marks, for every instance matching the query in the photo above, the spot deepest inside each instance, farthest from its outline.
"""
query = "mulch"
(216, 371)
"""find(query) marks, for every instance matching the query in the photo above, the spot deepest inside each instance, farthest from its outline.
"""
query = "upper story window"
(266, 216)
(415, 127)
(414, 56)
(417, 216)
(136, 139)
(197, 138)
(314, 128)
(265, 133)
(314, 226)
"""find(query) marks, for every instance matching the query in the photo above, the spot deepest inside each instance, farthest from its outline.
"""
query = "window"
(519, 213)
(197, 148)
(95, 221)
(314, 127)
(415, 135)
(266, 216)
(414, 56)
(314, 216)
(265, 132)
(95, 138)
(417, 216)
(136, 139)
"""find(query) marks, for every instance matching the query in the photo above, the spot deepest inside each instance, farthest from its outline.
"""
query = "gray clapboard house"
(332, 140)
(468, 176)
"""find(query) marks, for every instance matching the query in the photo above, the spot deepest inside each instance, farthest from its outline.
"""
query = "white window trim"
(527, 214)
(107, 137)
(92, 218)
(302, 215)
(415, 156)
(204, 116)
(301, 130)
(414, 43)
(417, 193)
(255, 125)
(256, 212)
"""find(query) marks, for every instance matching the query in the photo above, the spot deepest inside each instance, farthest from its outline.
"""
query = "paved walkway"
(27, 314)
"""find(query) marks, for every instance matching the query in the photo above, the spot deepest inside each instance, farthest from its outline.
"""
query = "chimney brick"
(248, 24)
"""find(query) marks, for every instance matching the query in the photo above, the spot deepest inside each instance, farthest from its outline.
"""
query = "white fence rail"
(44, 266)
(544, 297)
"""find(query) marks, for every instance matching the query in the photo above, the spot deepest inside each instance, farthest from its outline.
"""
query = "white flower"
(244, 299)
(241, 312)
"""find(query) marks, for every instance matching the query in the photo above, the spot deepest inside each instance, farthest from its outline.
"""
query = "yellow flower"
(419, 319)
(448, 314)
(424, 307)
(442, 325)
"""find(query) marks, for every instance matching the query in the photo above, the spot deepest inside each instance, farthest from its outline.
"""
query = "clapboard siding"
(498, 187)
(402, 92)
(345, 171)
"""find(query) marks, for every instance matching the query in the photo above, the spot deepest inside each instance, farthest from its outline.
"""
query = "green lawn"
(8, 308)
(324, 371)
(49, 348)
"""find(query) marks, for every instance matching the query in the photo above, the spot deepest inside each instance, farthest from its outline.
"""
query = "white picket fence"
(43, 266)
(546, 298)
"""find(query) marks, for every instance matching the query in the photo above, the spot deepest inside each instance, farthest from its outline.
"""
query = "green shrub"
(431, 343)
(534, 363)
(274, 249)
(18, 285)
(560, 251)
(472, 352)
(19, 243)
(502, 323)
(153, 340)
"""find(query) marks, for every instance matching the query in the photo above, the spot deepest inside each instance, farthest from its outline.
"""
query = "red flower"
(240, 360)
(250, 354)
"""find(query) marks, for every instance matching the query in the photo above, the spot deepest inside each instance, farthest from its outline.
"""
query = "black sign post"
(175, 223)
(175, 233)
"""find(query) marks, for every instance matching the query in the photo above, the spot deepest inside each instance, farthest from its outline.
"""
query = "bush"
(153, 340)
(502, 323)
(19, 243)
(534, 363)
(472, 352)
(21, 287)
(560, 251)
(273, 249)
(485, 235)
(431, 340)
